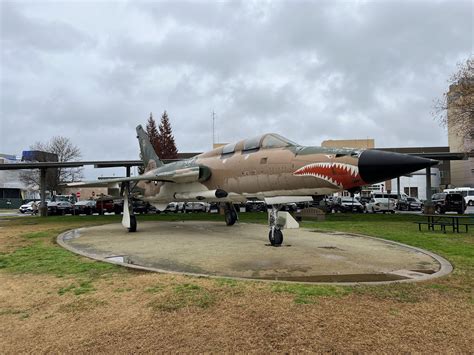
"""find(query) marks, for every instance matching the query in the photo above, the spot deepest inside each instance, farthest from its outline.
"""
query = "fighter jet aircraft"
(268, 167)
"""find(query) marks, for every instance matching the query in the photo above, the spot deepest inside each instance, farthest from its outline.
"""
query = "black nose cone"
(376, 165)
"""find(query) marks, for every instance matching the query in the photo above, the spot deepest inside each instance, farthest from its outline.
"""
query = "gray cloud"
(307, 70)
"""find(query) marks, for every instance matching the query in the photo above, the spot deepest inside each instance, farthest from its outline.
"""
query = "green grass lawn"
(41, 255)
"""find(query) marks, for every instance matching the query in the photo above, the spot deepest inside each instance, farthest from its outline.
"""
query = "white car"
(381, 204)
(195, 207)
(174, 207)
(27, 207)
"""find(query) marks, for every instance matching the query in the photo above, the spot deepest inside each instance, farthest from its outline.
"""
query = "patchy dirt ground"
(128, 311)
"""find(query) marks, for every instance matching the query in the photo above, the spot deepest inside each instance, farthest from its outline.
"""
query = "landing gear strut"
(275, 236)
(230, 214)
(129, 220)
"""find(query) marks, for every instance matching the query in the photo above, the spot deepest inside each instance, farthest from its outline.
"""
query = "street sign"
(78, 194)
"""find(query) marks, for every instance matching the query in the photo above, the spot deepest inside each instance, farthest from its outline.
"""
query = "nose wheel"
(275, 236)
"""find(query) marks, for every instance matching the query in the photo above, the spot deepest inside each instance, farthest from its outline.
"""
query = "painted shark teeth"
(333, 170)
(353, 170)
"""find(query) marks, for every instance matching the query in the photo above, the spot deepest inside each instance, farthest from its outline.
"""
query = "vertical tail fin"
(147, 150)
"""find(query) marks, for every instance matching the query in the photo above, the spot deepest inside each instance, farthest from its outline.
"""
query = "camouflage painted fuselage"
(259, 173)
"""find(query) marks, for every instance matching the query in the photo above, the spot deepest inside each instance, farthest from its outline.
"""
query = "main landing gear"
(230, 214)
(129, 220)
(275, 236)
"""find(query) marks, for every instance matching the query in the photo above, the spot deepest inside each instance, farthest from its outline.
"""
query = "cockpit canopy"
(266, 141)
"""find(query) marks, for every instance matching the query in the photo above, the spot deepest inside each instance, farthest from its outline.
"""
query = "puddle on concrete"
(338, 278)
(330, 247)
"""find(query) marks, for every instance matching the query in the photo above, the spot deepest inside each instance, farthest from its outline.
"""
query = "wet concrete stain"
(207, 248)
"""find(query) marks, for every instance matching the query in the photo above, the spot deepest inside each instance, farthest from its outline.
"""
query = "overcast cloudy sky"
(309, 70)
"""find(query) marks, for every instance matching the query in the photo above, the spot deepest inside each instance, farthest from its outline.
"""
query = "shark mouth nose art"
(338, 174)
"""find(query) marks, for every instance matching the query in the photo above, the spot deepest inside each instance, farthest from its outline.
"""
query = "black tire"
(470, 203)
(133, 224)
(230, 217)
(438, 209)
(275, 238)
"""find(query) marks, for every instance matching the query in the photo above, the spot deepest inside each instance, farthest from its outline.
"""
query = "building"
(462, 171)
(415, 184)
(12, 190)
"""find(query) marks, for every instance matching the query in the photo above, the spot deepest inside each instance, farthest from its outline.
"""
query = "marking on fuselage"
(338, 174)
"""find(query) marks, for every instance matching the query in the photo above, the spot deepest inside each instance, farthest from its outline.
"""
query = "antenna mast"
(213, 128)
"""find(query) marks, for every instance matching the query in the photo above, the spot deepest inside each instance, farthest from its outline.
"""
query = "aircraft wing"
(179, 176)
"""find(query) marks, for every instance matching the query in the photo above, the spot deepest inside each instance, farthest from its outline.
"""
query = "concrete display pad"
(243, 251)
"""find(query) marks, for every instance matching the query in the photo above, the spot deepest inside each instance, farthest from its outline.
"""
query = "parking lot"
(8, 212)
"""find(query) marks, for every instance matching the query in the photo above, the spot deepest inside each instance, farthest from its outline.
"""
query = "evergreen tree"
(153, 134)
(168, 148)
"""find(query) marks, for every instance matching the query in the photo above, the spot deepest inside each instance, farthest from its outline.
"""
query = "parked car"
(85, 207)
(289, 207)
(453, 202)
(467, 192)
(255, 206)
(142, 207)
(195, 207)
(174, 207)
(60, 208)
(28, 207)
(348, 204)
(409, 204)
(106, 204)
(381, 204)
(139, 206)
(363, 200)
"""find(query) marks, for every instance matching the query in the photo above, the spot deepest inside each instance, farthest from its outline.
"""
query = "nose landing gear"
(275, 236)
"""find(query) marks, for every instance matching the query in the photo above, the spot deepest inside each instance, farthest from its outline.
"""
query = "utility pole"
(213, 128)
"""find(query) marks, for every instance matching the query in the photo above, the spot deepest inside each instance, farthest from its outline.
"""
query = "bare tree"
(456, 109)
(63, 148)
